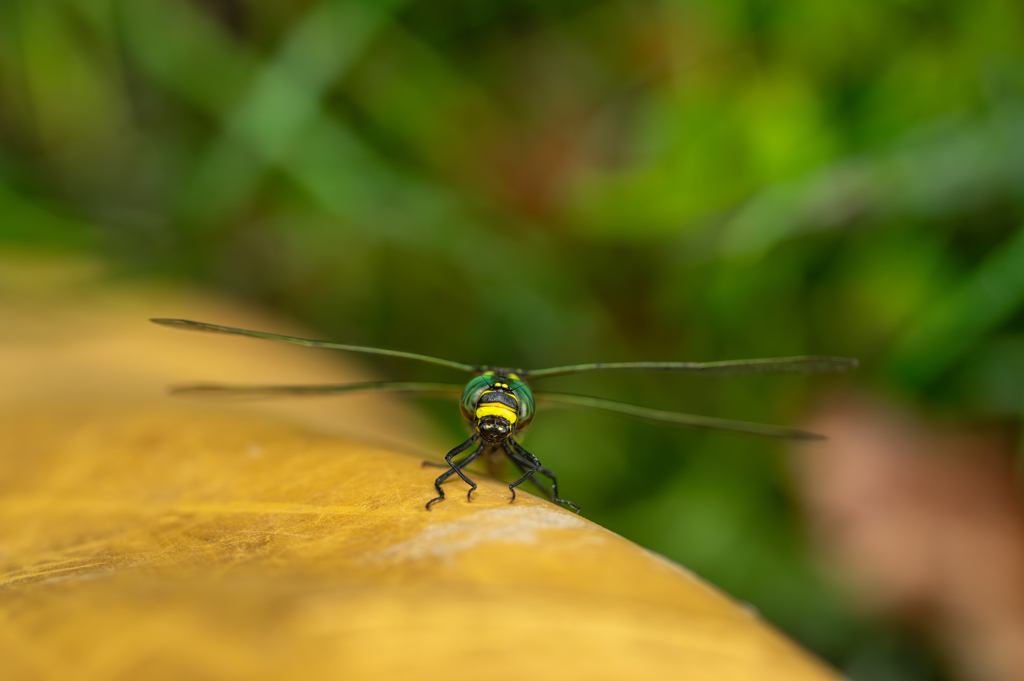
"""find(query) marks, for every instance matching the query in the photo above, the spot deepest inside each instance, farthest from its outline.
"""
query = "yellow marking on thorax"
(496, 409)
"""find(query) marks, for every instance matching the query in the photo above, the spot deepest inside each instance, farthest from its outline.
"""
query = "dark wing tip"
(823, 363)
(190, 325)
(807, 436)
(197, 388)
(176, 323)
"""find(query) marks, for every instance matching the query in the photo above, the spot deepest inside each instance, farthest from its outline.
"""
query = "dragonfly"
(498, 405)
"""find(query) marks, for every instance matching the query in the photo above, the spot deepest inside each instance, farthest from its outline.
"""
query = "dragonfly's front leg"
(457, 469)
(523, 464)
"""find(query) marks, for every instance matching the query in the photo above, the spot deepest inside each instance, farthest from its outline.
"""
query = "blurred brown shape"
(147, 538)
(924, 523)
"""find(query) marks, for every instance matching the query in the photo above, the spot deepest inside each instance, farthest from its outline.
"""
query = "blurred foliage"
(527, 183)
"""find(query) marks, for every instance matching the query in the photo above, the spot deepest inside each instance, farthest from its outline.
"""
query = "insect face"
(493, 429)
(497, 410)
(497, 406)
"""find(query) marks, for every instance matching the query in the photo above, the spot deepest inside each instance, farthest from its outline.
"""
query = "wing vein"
(221, 390)
(774, 365)
(216, 328)
(676, 418)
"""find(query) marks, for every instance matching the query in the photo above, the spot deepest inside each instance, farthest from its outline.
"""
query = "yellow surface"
(147, 538)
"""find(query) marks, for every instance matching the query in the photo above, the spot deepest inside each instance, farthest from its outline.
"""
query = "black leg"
(530, 470)
(435, 464)
(522, 465)
(525, 466)
(444, 476)
(459, 466)
(521, 457)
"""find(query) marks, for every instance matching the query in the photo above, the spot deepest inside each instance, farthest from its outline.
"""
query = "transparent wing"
(777, 365)
(215, 328)
(677, 419)
(214, 389)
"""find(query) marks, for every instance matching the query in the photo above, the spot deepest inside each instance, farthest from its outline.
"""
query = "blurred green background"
(533, 183)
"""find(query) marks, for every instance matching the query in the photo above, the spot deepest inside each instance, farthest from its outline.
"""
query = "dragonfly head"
(496, 413)
(493, 429)
(497, 406)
